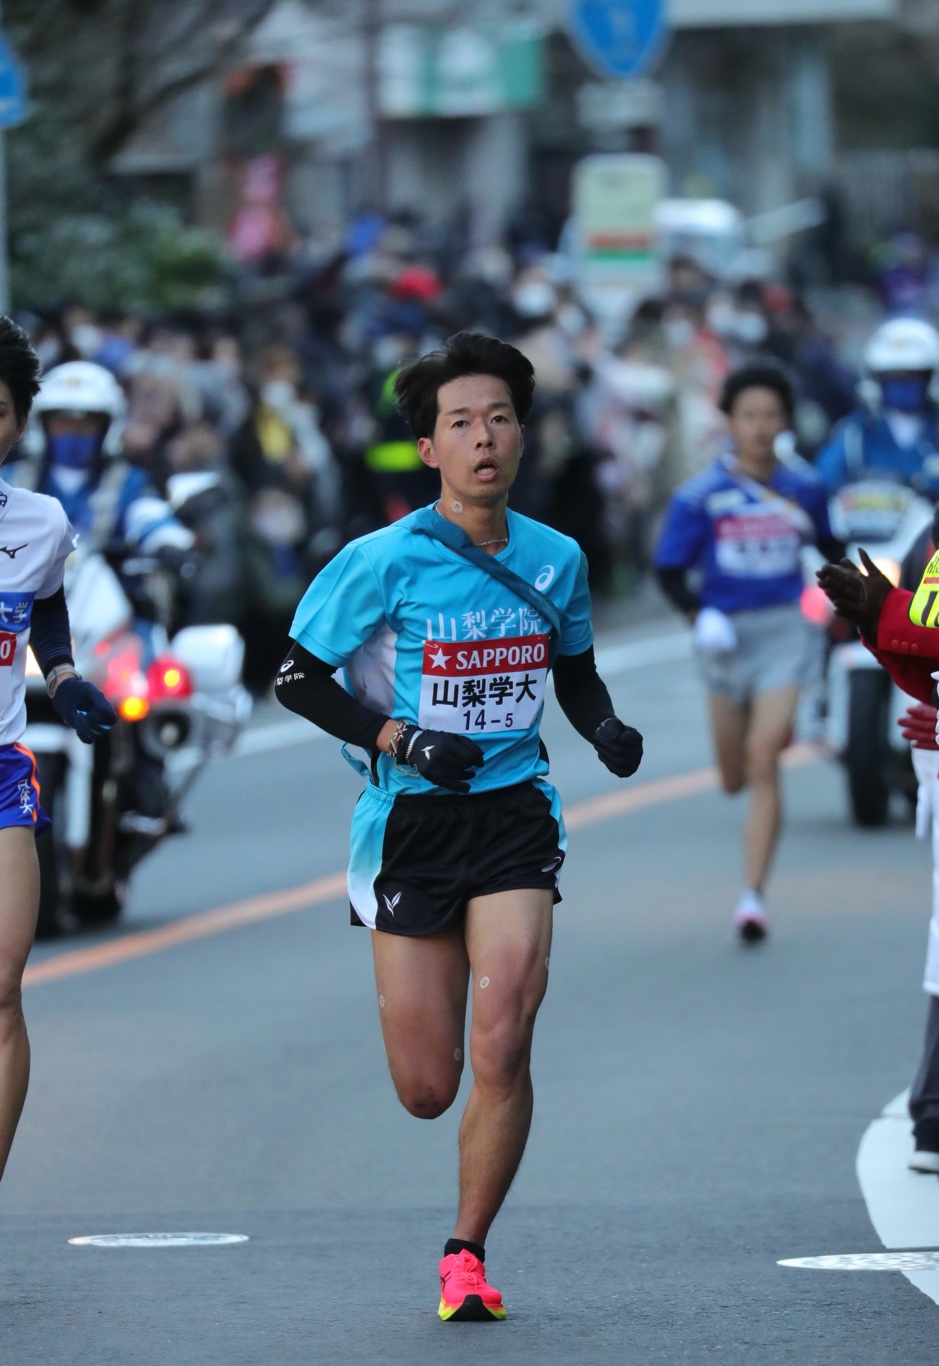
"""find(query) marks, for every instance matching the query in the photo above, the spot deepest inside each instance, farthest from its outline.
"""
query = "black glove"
(84, 708)
(619, 746)
(856, 596)
(443, 759)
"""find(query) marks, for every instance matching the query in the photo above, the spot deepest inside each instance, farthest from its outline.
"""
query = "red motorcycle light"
(168, 679)
(123, 677)
(816, 606)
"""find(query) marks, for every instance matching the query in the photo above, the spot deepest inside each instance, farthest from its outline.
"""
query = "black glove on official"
(619, 746)
(443, 759)
(84, 708)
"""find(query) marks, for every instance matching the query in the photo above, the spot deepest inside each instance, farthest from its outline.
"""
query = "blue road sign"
(619, 38)
(13, 99)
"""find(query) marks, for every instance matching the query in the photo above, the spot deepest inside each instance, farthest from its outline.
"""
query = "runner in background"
(729, 558)
(36, 541)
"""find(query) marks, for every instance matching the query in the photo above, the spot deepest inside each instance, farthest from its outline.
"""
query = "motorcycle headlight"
(889, 568)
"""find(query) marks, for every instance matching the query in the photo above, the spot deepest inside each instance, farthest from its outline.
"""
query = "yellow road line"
(142, 943)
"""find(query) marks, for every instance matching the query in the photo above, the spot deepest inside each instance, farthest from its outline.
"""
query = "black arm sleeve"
(306, 685)
(581, 692)
(50, 634)
(833, 549)
(674, 584)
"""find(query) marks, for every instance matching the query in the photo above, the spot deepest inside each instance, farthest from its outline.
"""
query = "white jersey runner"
(35, 541)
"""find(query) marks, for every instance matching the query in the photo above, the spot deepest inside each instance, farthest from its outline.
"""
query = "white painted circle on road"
(869, 1261)
(159, 1240)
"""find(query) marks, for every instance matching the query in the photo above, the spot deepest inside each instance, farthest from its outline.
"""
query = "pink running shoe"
(465, 1293)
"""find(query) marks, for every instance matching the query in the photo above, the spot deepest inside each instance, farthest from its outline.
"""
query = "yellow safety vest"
(924, 607)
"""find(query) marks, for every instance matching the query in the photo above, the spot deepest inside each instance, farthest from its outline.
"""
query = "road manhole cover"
(869, 1261)
(159, 1239)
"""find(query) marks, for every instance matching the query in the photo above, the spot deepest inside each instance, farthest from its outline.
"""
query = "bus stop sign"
(619, 38)
(13, 98)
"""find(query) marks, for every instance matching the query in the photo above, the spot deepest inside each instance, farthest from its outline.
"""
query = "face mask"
(906, 394)
(278, 393)
(571, 320)
(389, 352)
(534, 299)
(722, 319)
(751, 327)
(87, 338)
(74, 450)
(679, 332)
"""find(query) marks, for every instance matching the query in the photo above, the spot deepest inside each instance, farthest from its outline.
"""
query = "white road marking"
(867, 1261)
(903, 1205)
(159, 1240)
(639, 654)
(612, 660)
(280, 735)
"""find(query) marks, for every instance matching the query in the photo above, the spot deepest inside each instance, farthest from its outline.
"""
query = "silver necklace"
(478, 545)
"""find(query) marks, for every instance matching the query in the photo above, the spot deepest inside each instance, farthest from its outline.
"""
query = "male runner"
(457, 840)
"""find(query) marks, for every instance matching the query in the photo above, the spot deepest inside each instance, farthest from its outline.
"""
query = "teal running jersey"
(427, 637)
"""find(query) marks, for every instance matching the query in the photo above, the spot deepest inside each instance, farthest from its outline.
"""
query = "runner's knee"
(501, 1051)
(763, 760)
(427, 1099)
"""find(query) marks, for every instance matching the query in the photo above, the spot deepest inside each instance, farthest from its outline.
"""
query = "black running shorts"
(416, 861)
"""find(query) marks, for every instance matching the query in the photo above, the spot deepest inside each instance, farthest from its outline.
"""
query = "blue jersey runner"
(745, 538)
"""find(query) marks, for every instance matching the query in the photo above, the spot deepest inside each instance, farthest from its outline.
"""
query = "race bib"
(924, 606)
(486, 687)
(7, 649)
(758, 545)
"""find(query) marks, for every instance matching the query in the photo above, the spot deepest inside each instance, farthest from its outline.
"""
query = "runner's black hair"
(19, 366)
(467, 353)
(758, 377)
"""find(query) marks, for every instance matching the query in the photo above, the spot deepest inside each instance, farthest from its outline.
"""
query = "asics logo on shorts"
(391, 902)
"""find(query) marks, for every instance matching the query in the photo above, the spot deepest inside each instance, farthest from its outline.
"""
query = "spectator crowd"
(281, 404)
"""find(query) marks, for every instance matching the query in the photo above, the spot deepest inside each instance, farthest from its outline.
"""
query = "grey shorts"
(776, 648)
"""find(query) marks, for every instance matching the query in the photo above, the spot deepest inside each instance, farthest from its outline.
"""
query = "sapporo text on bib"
(483, 687)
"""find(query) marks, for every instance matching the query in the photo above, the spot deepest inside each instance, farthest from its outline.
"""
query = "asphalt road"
(698, 1106)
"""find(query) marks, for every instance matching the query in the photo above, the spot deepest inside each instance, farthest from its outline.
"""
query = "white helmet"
(80, 386)
(902, 344)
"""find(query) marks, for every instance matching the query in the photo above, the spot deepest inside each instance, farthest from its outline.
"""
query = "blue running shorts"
(19, 789)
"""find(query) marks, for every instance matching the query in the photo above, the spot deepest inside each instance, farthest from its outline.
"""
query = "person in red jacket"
(902, 629)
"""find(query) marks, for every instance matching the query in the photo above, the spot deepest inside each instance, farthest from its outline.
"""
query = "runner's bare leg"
(771, 717)
(729, 731)
(422, 987)
(508, 937)
(19, 906)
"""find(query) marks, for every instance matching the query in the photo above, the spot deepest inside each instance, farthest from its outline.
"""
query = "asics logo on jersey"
(545, 577)
(14, 551)
(391, 902)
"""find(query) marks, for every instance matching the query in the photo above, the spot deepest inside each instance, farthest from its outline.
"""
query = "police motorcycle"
(883, 464)
(177, 692)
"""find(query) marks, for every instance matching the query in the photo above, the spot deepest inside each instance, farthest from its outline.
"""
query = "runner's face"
(754, 423)
(11, 429)
(477, 441)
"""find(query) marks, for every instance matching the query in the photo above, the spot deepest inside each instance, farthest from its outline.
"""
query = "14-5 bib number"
(488, 687)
